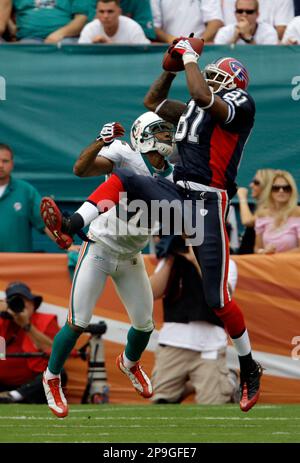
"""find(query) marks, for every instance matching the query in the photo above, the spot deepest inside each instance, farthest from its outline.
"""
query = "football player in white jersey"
(116, 255)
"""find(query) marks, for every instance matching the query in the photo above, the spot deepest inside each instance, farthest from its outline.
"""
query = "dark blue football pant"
(213, 254)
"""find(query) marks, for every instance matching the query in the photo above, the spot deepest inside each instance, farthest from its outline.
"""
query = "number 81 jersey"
(210, 151)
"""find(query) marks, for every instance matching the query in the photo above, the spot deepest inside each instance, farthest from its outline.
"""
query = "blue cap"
(21, 289)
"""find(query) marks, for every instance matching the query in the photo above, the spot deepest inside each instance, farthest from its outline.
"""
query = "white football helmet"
(143, 134)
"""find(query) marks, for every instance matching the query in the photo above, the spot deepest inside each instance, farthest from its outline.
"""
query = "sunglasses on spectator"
(255, 181)
(285, 188)
(241, 11)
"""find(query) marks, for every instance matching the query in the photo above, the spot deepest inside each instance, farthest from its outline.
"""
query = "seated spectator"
(25, 331)
(111, 27)
(139, 11)
(173, 18)
(45, 21)
(19, 208)
(292, 33)
(191, 352)
(258, 185)
(277, 225)
(277, 13)
(247, 30)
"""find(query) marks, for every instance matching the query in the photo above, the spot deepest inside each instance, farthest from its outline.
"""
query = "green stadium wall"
(54, 100)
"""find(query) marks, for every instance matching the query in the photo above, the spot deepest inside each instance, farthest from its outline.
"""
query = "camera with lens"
(14, 303)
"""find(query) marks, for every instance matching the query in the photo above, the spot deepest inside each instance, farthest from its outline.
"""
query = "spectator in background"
(25, 331)
(191, 352)
(138, 10)
(19, 208)
(247, 30)
(292, 33)
(111, 27)
(277, 13)
(45, 21)
(173, 18)
(277, 225)
(259, 184)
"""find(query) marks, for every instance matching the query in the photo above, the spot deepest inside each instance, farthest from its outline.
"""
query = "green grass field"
(151, 424)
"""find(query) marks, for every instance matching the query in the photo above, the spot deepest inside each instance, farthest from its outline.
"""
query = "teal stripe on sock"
(74, 283)
(136, 343)
(62, 345)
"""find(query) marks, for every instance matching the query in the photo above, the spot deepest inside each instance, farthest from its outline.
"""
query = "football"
(176, 64)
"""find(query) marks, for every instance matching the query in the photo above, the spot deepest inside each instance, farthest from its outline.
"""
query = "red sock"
(233, 319)
(107, 194)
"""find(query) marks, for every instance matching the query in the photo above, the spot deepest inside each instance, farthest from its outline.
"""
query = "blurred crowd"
(243, 22)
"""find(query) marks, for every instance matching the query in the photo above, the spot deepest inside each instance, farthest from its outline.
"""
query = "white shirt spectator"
(178, 17)
(265, 35)
(292, 32)
(274, 12)
(129, 31)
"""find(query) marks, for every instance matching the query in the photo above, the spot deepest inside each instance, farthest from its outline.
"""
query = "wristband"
(27, 327)
(190, 58)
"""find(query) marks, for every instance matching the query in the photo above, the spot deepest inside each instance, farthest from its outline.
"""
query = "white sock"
(88, 212)
(242, 344)
(49, 375)
(128, 363)
(16, 396)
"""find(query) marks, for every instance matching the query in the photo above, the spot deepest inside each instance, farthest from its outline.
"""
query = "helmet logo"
(239, 70)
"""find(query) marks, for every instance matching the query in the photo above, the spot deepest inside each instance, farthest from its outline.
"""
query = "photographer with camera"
(191, 353)
(28, 336)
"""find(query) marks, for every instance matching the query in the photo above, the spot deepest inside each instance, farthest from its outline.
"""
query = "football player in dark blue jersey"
(212, 130)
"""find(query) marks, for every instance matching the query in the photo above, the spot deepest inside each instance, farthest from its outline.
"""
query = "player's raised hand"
(110, 131)
(182, 47)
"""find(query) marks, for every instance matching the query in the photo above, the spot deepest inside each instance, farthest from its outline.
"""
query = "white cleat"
(137, 376)
(55, 396)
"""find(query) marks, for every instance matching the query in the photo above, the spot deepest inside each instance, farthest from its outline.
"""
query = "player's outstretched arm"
(156, 99)
(200, 92)
(89, 164)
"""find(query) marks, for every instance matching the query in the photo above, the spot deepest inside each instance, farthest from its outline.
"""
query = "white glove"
(184, 49)
(110, 131)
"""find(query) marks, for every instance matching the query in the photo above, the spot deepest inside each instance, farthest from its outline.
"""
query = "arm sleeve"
(137, 34)
(80, 7)
(114, 152)
(223, 36)
(284, 12)
(292, 31)
(270, 36)
(260, 225)
(87, 34)
(241, 110)
(157, 13)
(211, 9)
(142, 14)
(297, 224)
(35, 215)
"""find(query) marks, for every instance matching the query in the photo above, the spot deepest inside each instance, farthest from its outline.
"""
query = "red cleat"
(55, 397)
(249, 388)
(53, 220)
(137, 376)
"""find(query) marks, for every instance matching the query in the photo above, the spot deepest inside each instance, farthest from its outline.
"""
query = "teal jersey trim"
(164, 173)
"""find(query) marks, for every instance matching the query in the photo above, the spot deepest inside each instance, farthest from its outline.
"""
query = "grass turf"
(151, 424)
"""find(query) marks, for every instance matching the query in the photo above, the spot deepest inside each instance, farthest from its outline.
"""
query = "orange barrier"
(268, 292)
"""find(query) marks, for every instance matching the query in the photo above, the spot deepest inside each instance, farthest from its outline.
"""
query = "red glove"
(110, 131)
